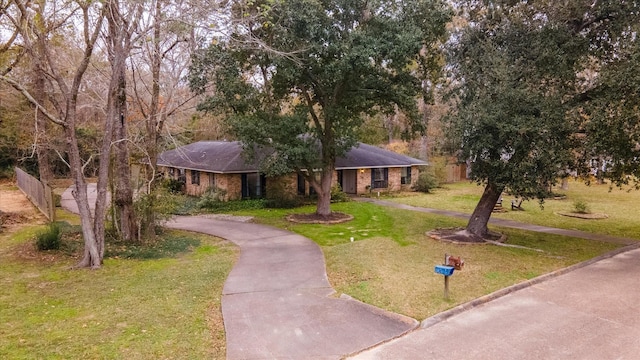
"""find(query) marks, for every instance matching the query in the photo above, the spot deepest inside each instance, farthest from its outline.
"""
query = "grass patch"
(168, 246)
(621, 206)
(165, 306)
(49, 239)
(368, 222)
(401, 279)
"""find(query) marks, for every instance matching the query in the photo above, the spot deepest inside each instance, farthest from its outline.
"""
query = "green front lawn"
(621, 207)
(164, 302)
(143, 304)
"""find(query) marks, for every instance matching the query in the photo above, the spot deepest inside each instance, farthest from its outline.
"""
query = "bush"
(337, 195)
(237, 205)
(49, 239)
(211, 197)
(174, 186)
(282, 195)
(581, 207)
(426, 182)
(158, 206)
(438, 168)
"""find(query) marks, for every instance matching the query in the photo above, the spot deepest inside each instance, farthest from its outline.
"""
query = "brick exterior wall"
(276, 185)
(288, 181)
(395, 175)
(415, 172)
(197, 189)
(363, 181)
(232, 183)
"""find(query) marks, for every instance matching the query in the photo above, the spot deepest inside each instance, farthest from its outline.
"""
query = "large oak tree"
(520, 72)
(297, 76)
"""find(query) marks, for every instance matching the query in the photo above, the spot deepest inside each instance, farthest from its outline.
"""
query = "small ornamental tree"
(296, 77)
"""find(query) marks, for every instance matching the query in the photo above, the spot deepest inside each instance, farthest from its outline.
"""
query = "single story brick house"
(206, 164)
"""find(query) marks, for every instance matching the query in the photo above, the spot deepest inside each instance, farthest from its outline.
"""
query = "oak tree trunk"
(324, 195)
(482, 213)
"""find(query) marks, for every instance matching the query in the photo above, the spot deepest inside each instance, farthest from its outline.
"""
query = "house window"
(405, 175)
(379, 178)
(212, 180)
(195, 177)
(253, 186)
(182, 175)
(172, 173)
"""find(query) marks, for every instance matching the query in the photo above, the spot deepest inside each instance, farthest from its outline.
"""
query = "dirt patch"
(16, 210)
(28, 252)
(461, 236)
(333, 218)
(594, 216)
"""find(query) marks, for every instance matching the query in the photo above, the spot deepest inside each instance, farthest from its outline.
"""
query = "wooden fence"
(37, 192)
(455, 172)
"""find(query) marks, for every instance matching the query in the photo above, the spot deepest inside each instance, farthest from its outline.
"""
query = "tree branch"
(314, 116)
(32, 100)
(62, 158)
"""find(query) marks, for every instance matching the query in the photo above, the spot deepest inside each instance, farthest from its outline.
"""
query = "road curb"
(433, 320)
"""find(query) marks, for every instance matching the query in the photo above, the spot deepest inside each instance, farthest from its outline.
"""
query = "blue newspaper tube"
(444, 270)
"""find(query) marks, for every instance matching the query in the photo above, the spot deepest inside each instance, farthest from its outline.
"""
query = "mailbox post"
(447, 270)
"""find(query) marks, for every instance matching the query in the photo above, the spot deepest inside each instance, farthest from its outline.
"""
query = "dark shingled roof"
(226, 157)
(369, 156)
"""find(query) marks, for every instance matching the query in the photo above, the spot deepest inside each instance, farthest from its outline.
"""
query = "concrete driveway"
(278, 304)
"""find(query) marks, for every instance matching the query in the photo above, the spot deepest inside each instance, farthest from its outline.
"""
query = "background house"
(220, 164)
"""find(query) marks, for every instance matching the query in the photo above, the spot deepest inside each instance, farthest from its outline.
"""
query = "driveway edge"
(433, 320)
(415, 324)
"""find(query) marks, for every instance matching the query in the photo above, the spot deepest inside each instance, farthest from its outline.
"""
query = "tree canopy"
(527, 111)
(298, 76)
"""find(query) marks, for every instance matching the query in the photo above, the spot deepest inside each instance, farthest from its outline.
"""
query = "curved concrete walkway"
(277, 302)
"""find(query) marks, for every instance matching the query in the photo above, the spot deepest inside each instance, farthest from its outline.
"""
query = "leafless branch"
(62, 158)
(32, 100)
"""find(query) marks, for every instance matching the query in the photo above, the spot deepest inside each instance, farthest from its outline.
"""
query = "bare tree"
(88, 17)
(159, 88)
(121, 26)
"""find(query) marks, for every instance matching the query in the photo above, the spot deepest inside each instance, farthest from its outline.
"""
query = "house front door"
(349, 181)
